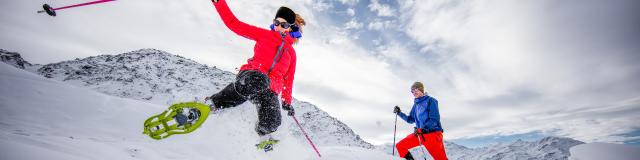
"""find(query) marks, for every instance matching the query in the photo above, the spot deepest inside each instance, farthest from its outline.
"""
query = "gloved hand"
(289, 108)
(417, 131)
(396, 110)
(215, 1)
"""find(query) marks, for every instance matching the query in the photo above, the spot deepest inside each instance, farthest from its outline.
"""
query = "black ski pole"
(393, 148)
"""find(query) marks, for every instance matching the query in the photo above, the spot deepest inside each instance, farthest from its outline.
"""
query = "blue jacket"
(424, 113)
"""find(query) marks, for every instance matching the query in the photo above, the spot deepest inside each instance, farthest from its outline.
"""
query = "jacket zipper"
(278, 55)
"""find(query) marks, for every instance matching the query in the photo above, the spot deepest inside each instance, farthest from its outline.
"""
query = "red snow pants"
(432, 141)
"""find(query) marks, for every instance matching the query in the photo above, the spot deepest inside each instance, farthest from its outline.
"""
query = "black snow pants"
(252, 85)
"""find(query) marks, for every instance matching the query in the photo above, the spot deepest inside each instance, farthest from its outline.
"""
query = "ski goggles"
(295, 31)
(284, 25)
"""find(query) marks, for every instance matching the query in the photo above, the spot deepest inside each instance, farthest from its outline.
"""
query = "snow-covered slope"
(597, 151)
(549, 148)
(46, 119)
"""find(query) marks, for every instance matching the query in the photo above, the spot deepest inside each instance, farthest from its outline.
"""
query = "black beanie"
(287, 14)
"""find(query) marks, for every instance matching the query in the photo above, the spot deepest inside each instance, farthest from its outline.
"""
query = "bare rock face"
(14, 59)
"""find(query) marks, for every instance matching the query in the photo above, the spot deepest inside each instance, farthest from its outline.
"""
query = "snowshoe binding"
(187, 116)
(180, 118)
(267, 145)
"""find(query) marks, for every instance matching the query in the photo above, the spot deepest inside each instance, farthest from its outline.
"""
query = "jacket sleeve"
(409, 118)
(237, 26)
(288, 80)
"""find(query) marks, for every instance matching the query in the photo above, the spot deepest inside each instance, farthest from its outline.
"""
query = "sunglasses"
(284, 25)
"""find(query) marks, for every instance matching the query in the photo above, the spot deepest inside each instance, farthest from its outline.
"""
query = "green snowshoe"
(181, 118)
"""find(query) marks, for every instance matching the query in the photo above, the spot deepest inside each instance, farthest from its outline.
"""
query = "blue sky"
(501, 69)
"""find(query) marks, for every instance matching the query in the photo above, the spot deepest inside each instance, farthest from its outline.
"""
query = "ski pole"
(52, 11)
(395, 123)
(424, 155)
(305, 135)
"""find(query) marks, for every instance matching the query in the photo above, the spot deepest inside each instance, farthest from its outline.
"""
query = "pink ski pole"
(305, 135)
(52, 11)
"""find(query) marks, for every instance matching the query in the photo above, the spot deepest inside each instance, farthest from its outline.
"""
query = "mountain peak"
(14, 59)
(149, 51)
(556, 139)
(145, 74)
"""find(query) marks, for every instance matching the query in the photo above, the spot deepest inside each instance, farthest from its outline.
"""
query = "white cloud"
(322, 5)
(351, 12)
(378, 25)
(353, 24)
(349, 2)
(382, 10)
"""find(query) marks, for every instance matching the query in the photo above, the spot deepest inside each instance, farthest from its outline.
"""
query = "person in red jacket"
(269, 73)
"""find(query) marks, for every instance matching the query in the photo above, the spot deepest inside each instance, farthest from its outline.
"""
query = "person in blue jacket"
(428, 130)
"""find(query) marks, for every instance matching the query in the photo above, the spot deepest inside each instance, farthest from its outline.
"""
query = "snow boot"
(408, 156)
(187, 116)
(212, 106)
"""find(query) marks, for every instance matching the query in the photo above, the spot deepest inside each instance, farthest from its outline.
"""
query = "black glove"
(289, 108)
(417, 132)
(215, 1)
(396, 110)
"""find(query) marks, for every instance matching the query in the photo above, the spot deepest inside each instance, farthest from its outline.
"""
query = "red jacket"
(264, 52)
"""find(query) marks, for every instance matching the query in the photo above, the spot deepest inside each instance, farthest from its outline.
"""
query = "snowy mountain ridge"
(548, 148)
(162, 78)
